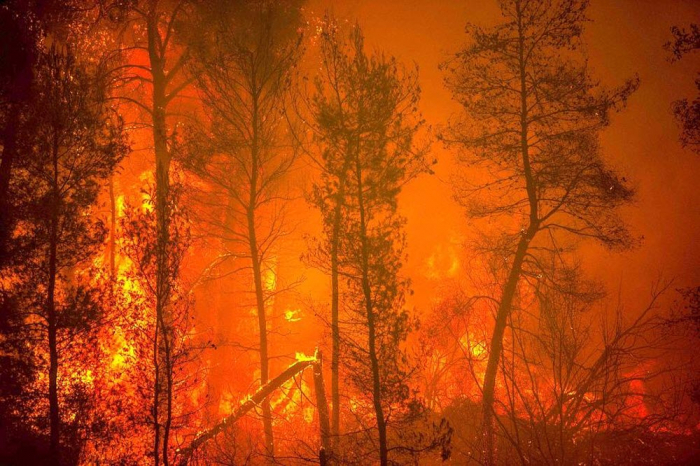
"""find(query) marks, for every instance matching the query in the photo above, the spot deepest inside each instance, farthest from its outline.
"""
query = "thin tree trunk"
(112, 230)
(160, 140)
(262, 325)
(335, 314)
(54, 414)
(257, 276)
(371, 326)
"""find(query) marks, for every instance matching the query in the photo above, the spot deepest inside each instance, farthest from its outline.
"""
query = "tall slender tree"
(245, 60)
(77, 143)
(152, 76)
(532, 118)
(366, 118)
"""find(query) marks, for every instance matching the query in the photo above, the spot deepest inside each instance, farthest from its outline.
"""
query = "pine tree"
(366, 118)
(532, 118)
(245, 60)
(77, 143)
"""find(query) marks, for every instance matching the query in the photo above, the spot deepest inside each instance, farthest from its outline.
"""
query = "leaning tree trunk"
(509, 290)
(259, 397)
(495, 350)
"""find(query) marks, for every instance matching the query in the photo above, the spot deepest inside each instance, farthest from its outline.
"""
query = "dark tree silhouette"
(245, 60)
(533, 114)
(152, 76)
(366, 118)
(18, 56)
(77, 144)
(687, 113)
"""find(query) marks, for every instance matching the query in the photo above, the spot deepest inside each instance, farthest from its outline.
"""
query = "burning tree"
(571, 378)
(532, 118)
(152, 78)
(183, 369)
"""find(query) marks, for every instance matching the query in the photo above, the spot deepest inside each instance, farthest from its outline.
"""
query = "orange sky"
(625, 37)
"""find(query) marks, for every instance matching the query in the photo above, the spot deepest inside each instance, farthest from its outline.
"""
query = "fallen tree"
(261, 394)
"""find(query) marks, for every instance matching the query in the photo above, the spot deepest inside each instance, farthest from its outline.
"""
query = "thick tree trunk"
(495, 350)
(322, 407)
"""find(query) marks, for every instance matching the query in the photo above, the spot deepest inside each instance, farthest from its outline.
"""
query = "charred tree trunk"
(335, 314)
(257, 398)
(509, 290)
(371, 325)
(51, 318)
(257, 265)
(162, 155)
(322, 408)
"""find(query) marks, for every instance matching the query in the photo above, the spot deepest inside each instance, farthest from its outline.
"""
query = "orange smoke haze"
(625, 37)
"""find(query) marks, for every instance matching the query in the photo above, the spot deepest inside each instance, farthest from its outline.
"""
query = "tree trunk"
(335, 314)
(322, 408)
(371, 326)
(112, 230)
(54, 414)
(257, 277)
(262, 325)
(506, 303)
(162, 154)
(495, 350)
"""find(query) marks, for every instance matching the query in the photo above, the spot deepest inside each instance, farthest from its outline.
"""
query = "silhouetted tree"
(77, 142)
(152, 76)
(687, 113)
(18, 54)
(18, 49)
(245, 60)
(532, 118)
(365, 119)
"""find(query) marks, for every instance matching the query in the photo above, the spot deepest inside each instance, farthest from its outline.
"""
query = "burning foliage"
(204, 245)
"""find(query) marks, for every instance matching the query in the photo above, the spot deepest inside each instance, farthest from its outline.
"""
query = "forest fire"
(349, 233)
